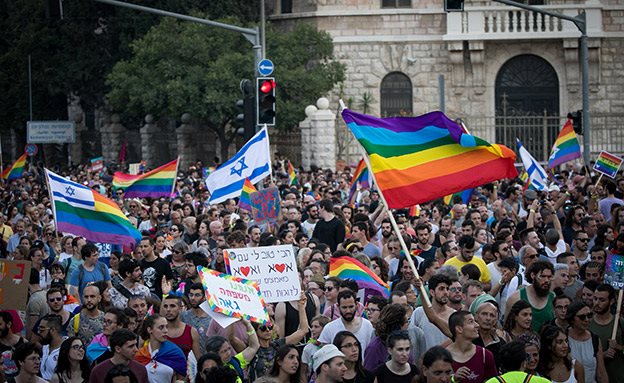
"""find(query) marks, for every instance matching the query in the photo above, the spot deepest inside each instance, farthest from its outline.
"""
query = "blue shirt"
(99, 273)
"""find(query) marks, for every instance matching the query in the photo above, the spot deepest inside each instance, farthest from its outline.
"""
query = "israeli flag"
(253, 161)
(537, 175)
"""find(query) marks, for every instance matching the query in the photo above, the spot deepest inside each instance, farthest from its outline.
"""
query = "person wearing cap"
(486, 313)
(329, 364)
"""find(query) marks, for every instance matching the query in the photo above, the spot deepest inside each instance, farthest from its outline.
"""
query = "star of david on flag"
(252, 161)
(537, 174)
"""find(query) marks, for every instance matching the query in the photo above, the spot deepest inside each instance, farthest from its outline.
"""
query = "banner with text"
(14, 277)
(614, 271)
(233, 296)
(265, 205)
(273, 267)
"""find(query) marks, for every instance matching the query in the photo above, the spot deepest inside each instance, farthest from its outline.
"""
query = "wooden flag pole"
(616, 320)
(423, 292)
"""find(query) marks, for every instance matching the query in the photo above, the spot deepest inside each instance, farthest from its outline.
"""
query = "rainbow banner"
(245, 200)
(566, 147)
(418, 159)
(351, 268)
(292, 176)
(16, 170)
(608, 164)
(81, 211)
(465, 196)
(155, 183)
(361, 176)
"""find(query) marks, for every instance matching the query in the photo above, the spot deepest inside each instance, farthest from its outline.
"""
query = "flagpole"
(47, 178)
(423, 291)
(269, 148)
(175, 178)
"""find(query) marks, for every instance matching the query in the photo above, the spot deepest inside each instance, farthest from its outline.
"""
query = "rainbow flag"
(82, 211)
(465, 196)
(608, 164)
(292, 177)
(566, 147)
(351, 268)
(419, 159)
(16, 170)
(155, 183)
(360, 175)
(245, 202)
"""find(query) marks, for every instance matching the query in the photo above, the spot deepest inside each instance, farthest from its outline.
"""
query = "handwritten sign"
(273, 267)
(14, 277)
(614, 271)
(608, 164)
(97, 164)
(265, 205)
(235, 297)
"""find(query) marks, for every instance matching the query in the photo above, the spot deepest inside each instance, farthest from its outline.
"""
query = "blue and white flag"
(253, 161)
(537, 175)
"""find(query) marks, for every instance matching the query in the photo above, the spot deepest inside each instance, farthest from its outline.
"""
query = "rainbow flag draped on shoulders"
(153, 184)
(81, 211)
(292, 176)
(361, 176)
(245, 201)
(419, 159)
(351, 268)
(566, 147)
(16, 170)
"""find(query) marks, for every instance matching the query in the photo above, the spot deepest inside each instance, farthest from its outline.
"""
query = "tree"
(180, 67)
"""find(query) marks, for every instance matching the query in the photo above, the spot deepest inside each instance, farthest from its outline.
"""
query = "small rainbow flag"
(155, 183)
(360, 175)
(351, 268)
(16, 170)
(245, 202)
(292, 177)
(566, 147)
(608, 164)
(465, 196)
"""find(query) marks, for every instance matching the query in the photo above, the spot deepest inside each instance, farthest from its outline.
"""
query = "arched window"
(527, 101)
(396, 95)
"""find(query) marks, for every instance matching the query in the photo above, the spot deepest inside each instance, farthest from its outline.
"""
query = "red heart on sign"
(280, 267)
(245, 270)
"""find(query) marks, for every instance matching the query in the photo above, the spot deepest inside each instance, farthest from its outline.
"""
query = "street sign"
(265, 67)
(31, 150)
(50, 132)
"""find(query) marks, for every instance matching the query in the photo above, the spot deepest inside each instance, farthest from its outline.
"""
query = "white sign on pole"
(50, 132)
(273, 267)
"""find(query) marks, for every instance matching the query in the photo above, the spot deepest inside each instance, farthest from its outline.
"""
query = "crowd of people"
(515, 278)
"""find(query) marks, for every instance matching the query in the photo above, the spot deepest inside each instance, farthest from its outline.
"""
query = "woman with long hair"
(207, 362)
(380, 268)
(160, 245)
(584, 346)
(555, 361)
(391, 318)
(105, 302)
(162, 359)
(350, 346)
(437, 366)
(519, 320)
(605, 236)
(286, 366)
(72, 366)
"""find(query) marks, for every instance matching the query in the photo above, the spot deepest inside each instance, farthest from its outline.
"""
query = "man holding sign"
(602, 325)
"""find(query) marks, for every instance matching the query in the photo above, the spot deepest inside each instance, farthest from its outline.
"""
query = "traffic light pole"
(581, 23)
(252, 35)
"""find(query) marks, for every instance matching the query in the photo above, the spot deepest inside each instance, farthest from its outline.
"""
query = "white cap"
(325, 354)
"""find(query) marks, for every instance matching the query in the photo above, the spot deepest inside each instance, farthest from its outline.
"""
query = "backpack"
(81, 270)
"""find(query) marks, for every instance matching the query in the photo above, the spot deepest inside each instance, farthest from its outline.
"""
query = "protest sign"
(273, 267)
(265, 205)
(614, 276)
(235, 297)
(608, 164)
(14, 277)
(97, 164)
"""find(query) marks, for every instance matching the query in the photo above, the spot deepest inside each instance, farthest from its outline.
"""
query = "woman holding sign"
(237, 362)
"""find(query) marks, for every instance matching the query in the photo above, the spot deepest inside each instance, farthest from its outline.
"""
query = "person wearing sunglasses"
(580, 247)
(585, 346)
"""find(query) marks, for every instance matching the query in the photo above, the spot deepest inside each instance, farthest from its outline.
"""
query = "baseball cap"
(554, 187)
(325, 354)
(530, 194)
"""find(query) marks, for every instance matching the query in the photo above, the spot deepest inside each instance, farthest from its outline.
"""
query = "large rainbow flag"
(361, 175)
(351, 268)
(418, 159)
(16, 170)
(155, 183)
(566, 147)
(81, 211)
(245, 201)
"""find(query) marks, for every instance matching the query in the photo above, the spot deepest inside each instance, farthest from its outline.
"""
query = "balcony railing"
(509, 23)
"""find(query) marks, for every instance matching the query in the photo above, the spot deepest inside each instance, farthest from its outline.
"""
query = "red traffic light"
(267, 86)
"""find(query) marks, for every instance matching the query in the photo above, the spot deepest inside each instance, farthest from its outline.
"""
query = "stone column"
(148, 141)
(306, 131)
(323, 136)
(186, 143)
(112, 137)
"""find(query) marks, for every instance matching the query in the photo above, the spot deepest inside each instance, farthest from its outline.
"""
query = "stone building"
(505, 71)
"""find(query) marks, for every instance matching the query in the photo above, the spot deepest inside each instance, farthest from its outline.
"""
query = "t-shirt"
(371, 250)
(384, 375)
(364, 334)
(615, 365)
(433, 335)
(88, 327)
(98, 374)
(201, 324)
(481, 366)
(99, 273)
(120, 301)
(6, 354)
(153, 272)
(49, 360)
(263, 362)
(480, 263)
(428, 254)
(330, 233)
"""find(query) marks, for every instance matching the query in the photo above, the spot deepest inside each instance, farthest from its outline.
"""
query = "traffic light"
(246, 106)
(577, 121)
(454, 5)
(265, 101)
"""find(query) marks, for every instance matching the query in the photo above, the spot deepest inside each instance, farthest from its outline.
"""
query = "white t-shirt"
(49, 359)
(433, 335)
(364, 334)
(552, 255)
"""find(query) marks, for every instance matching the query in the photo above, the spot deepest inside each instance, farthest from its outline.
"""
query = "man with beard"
(154, 268)
(193, 260)
(180, 333)
(537, 294)
(466, 256)
(329, 364)
(360, 233)
(55, 302)
(196, 317)
(602, 325)
(131, 285)
(360, 327)
(51, 339)
(254, 235)
(386, 232)
(90, 321)
(439, 290)
(581, 245)
(423, 234)
(456, 297)
(8, 342)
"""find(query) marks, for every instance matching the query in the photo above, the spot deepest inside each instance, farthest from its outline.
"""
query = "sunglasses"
(329, 288)
(265, 328)
(78, 347)
(583, 239)
(58, 299)
(588, 316)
